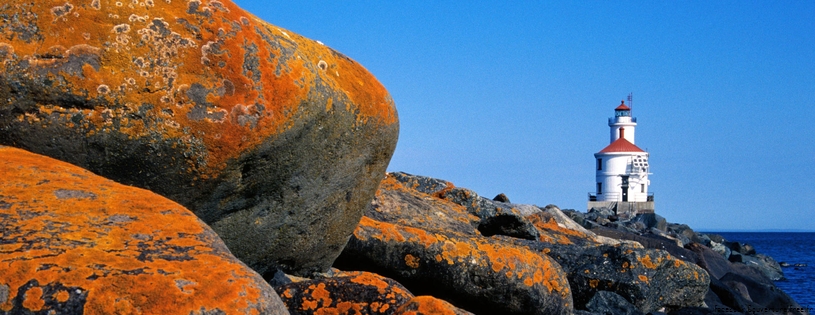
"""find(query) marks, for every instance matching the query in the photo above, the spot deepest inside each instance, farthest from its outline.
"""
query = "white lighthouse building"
(622, 170)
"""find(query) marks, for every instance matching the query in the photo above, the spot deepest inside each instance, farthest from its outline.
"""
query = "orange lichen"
(643, 278)
(426, 305)
(532, 269)
(371, 279)
(412, 261)
(33, 299)
(117, 248)
(593, 283)
(62, 296)
(647, 262)
(550, 230)
(157, 54)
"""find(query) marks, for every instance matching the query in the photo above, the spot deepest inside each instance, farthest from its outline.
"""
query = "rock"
(75, 243)
(501, 198)
(649, 241)
(648, 278)
(709, 260)
(474, 273)
(660, 280)
(595, 213)
(651, 220)
(610, 303)
(277, 141)
(720, 249)
(526, 210)
(576, 216)
(742, 248)
(400, 202)
(733, 278)
(428, 305)
(346, 293)
(766, 295)
(736, 257)
(716, 238)
(724, 296)
(766, 264)
(496, 218)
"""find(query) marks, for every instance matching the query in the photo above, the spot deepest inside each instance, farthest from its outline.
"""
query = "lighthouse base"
(624, 209)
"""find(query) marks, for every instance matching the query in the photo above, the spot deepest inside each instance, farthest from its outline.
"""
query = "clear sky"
(514, 97)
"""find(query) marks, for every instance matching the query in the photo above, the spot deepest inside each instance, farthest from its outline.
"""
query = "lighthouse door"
(625, 187)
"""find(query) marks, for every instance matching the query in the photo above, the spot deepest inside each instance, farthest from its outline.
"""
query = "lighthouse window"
(599, 188)
(642, 188)
(599, 164)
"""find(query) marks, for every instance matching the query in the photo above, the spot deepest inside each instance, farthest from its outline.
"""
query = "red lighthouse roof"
(622, 106)
(621, 145)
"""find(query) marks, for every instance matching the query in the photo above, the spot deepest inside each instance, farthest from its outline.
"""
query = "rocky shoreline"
(185, 157)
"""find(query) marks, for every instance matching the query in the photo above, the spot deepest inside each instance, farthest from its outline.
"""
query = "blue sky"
(514, 97)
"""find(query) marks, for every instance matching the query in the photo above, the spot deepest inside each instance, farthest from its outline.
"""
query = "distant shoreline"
(757, 231)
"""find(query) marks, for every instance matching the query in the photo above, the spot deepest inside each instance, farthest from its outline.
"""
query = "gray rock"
(652, 220)
(501, 198)
(648, 278)
(766, 264)
(720, 248)
(610, 303)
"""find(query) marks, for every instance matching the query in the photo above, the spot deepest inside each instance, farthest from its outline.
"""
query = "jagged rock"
(526, 210)
(73, 243)
(730, 274)
(345, 293)
(649, 241)
(277, 141)
(648, 278)
(610, 303)
(496, 218)
(716, 238)
(766, 295)
(474, 273)
(742, 248)
(428, 305)
(768, 266)
(406, 203)
(720, 248)
(501, 198)
(595, 213)
(652, 220)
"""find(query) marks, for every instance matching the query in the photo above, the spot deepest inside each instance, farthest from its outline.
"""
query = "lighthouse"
(622, 170)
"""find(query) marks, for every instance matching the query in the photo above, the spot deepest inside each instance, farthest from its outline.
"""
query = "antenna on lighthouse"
(631, 103)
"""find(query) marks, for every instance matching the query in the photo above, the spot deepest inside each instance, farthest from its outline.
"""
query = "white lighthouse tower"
(622, 170)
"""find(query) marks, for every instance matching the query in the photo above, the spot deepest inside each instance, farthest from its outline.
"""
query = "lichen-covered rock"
(75, 243)
(648, 278)
(428, 305)
(360, 293)
(495, 217)
(405, 204)
(277, 141)
(474, 273)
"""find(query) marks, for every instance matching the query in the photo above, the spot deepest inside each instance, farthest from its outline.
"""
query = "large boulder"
(75, 243)
(650, 279)
(474, 273)
(277, 141)
(344, 293)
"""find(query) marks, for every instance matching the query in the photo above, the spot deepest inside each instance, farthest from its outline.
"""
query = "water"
(792, 248)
